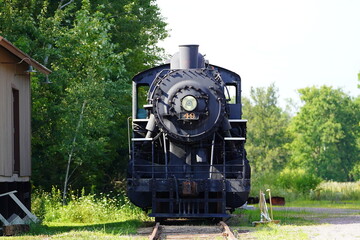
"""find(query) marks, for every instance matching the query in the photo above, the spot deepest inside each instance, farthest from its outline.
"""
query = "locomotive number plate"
(189, 116)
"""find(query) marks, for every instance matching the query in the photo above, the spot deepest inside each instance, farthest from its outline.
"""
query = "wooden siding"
(25, 123)
(12, 75)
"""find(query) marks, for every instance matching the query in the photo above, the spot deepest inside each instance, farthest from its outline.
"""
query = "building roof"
(23, 56)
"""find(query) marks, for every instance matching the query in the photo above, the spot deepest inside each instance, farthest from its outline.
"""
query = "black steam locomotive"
(187, 156)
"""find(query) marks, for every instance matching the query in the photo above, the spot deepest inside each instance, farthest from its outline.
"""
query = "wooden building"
(15, 125)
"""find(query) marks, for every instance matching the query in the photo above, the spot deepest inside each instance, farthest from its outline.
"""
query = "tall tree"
(266, 131)
(325, 132)
(87, 71)
(86, 46)
(138, 26)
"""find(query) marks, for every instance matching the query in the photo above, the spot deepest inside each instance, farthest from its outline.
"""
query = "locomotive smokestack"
(188, 56)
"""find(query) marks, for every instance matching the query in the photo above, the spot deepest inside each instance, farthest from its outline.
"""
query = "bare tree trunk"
(71, 153)
(62, 6)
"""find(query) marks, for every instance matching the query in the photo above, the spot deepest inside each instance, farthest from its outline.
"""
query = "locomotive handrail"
(166, 156)
(178, 165)
(152, 169)
(238, 120)
(174, 172)
(212, 156)
(145, 106)
(129, 134)
(141, 139)
(234, 138)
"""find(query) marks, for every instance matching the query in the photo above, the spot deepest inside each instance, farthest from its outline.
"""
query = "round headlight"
(189, 103)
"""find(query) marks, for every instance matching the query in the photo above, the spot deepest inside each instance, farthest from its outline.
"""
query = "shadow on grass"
(116, 228)
(302, 218)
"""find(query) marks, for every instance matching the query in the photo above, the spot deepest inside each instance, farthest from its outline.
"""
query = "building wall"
(13, 75)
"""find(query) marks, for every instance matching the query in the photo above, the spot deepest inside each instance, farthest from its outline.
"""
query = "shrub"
(260, 181)
(355, 172)
(44, 203)
(84, 208)
(298, 180)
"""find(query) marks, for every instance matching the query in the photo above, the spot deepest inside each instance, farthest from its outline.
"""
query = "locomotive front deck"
(183, 198)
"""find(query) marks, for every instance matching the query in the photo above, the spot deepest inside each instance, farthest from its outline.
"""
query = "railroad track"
(218, 231)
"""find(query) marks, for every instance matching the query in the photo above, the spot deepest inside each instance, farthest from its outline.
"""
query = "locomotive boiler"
(187, 137)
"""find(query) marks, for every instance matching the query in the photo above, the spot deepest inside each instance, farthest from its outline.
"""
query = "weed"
(337, 191)
(82, 208)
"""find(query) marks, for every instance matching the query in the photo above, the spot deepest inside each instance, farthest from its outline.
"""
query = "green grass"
(287, 229)
(325, 204)
(114, 230)
(247, 217)
(277, 232)
(84, 208)
(85, 216)
(76, 235)
(112, 216)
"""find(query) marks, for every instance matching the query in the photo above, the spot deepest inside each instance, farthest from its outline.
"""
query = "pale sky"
(294, 44)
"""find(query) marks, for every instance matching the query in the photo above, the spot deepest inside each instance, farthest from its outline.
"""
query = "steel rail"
(227, 232)
(156, 232)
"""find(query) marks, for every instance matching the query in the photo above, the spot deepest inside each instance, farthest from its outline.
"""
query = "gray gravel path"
(340, 224)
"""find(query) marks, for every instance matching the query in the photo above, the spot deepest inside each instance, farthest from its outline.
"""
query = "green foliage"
(337, 191)
(290, 184)
(138, 26)
(266, 130)
(88, 72)
(355, 171)
(42, 203)
(266, 181)
(84, 208)
(325, 133)
(93, 49)
(298, 180)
